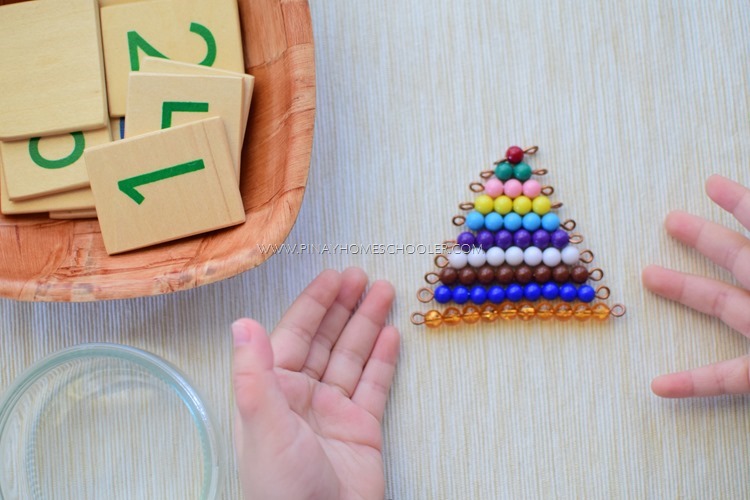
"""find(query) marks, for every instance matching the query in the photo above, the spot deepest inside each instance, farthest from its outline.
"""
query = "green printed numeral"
(208, 37)
(79, 145)
(128, 186)
(136, 42)
(170, 107)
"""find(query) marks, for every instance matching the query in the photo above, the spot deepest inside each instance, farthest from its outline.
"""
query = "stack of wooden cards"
(98, 119)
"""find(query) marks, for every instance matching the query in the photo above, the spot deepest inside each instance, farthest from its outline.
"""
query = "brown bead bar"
(523, 274)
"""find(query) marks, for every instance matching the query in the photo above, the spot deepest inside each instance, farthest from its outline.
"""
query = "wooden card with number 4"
(164, 185)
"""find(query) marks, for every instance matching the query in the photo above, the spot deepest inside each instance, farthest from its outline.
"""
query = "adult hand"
(731, 304)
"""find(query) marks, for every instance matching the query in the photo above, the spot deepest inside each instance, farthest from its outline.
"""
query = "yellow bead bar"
(524, 311)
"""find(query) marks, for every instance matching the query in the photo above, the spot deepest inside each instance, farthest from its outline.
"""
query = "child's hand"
(731, 304)
(311, 400)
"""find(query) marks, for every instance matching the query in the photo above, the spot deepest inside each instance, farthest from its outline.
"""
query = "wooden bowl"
(46, 260)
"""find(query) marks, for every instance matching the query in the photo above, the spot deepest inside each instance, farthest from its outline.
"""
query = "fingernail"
(240, 334)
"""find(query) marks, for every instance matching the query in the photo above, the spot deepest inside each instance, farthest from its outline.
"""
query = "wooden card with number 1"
(164, 185)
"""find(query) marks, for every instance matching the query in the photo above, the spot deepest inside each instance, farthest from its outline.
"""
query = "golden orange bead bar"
(523, 311)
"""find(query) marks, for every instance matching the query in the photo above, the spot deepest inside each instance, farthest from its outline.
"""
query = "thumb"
(263, 409)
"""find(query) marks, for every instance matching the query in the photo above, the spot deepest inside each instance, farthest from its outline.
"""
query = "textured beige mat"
(633, 105)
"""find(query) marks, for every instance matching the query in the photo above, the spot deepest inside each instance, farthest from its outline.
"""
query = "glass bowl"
(107, 421)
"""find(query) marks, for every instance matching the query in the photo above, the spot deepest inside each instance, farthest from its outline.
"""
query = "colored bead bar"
(523, 232)
(495, 269)
(514, 292)
(512, 188)
(505, 171)
(524, 311)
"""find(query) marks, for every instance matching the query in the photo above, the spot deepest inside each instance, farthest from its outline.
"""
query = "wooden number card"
(46, 165)
(51, 69)
(167, 67)
(195, 31)
(80, 199)
(161, 101)
(164, 185)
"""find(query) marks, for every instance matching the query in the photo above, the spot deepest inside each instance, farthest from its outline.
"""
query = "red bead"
(514, 155)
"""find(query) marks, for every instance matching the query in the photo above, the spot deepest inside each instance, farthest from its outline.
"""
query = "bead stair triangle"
(515, 259)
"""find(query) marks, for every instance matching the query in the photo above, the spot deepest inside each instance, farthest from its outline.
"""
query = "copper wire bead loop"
(441, 261)
(486, 174)
(594, 275)
(548, 190)
(467, 205)
(569, 225)
(618, 311)
(557, 205)
(587, 257)
(576, 239)
(417, 319)
(425, 295)
(541, 172)
(602, 293)
(459, 220)
(432, 278)
(476, 187)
